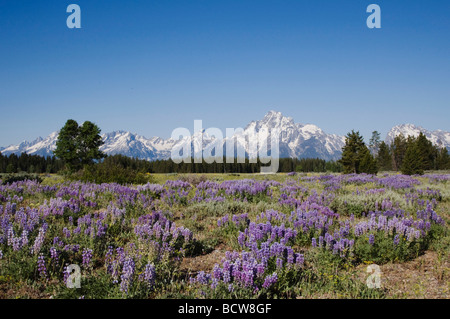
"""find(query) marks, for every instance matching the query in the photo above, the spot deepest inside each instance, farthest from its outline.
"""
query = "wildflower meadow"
(222, 236)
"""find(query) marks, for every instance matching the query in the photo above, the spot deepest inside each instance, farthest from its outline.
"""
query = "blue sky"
(151, 66)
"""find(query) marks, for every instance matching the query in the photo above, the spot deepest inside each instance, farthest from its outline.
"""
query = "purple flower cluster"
(122, 264)
(87, 257)
(41, 266)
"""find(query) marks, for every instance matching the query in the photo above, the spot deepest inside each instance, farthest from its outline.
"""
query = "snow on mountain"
(296, 141)
(40, 146)
(438, 137)
(128, 144)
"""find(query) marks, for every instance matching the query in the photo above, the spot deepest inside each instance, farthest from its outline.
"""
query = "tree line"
(168, 166)
(30, 164)
(409, 155)
(78, 154)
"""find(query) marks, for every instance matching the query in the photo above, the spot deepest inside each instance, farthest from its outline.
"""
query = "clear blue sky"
(151, 66)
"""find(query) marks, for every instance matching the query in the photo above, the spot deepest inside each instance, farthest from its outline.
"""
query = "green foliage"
(352, 204)
(384, 250)
(374, 143)
(421, 155)
(29, 163)
(398, 150)
(356, 157)
(110, 173)
(79, 145)
(412, 163)
(368, 163)
(414, 155)
(21, 177)
(384, 157)
(442, 159)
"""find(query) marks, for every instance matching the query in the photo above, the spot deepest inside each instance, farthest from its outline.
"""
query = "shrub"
(20, 178)
(110, 173)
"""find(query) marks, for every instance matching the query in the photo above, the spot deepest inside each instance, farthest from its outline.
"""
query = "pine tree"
(384, 158)
(78, 146)
(374, 143)
(442, 159)
(368, 163)
(398, 150)
(356, 157)
(426, 152)
(89, 142)
(411, 163)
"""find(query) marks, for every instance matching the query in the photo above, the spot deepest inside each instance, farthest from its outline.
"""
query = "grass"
(426, 275)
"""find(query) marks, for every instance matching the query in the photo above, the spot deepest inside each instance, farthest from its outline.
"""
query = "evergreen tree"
(356, 157)
(374, 143)
(426, 152)
(89, 142)
(66, 145)
(368, 163)
(398, 150)
(411, 163)
(384, 157)
(78, 146)
(442, 159)
(10, 168)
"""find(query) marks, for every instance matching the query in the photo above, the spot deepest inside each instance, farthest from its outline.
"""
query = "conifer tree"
(78, 146)
(398, 150)
(426, 152)
(374, 143)
(384, 158)
(412, 163)
(356, 157)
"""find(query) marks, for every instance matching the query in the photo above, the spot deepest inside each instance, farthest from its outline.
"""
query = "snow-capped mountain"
(296, 140)
(40, 146)
(438, 137)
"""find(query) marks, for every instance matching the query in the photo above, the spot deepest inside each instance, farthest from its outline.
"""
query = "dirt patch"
(427, 276)
(193, 265)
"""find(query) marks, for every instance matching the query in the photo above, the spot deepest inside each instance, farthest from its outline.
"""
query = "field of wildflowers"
(280, 236)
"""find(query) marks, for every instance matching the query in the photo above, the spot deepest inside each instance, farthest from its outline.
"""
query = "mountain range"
(296, 140)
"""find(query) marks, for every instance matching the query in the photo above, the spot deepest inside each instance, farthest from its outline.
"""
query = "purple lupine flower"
(38, 241)
(248, 278)
(127, 275)
(87, 256)
(149, 275)
(66, 273)
(109, 259)
(214, 283)
(320, 241)
(396, 240)
(314, 243)
(270, 280)
(24, 238)
(203, 278)
(41, 266)
(371, 239)
(279, 263)
(217, 272)
(66, 232)
(54, 255)
(299, 260)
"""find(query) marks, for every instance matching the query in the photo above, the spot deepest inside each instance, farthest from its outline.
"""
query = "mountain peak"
(275, 119)
(272, 115)
(296, 140)
(438, 137)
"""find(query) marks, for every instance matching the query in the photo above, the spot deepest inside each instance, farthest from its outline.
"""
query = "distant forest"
(38, 164)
